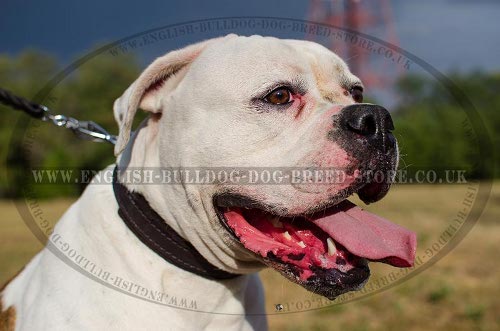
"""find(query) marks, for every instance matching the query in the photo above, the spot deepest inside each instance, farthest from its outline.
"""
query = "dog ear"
(143, 93)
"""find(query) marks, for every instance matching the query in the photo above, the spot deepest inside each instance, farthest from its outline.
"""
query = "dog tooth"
(301, 244)
(331, 246)
(275, 221)
(287, 235)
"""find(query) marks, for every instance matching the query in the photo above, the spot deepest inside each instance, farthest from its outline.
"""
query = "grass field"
(460, 292)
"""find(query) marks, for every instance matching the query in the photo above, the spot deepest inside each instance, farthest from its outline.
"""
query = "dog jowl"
(326, 246)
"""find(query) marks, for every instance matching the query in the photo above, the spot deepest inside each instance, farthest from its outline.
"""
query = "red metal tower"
(365, 16)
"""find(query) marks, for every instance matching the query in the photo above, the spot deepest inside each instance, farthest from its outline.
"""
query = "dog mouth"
(326, 252)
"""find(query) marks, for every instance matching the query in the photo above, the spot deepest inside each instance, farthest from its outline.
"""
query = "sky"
(448, 34)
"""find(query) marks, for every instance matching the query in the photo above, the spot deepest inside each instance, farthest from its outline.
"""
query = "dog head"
(285, 107)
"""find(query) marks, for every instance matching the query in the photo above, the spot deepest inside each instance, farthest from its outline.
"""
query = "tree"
(87, 93)
(430, 121)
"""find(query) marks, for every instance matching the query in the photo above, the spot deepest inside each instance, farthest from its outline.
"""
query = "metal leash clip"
(92, 131)
(82, 129)
(87, 130)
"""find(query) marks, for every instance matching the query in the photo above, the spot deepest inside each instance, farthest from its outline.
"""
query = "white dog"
(227, 103)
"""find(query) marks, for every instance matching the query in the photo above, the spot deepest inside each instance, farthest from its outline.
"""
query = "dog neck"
(155, 233)
(169, 201)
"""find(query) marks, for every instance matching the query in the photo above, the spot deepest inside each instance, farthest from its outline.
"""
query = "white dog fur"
(200, 116)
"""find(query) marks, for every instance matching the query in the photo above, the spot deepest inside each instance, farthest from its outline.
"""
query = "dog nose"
(372, 122)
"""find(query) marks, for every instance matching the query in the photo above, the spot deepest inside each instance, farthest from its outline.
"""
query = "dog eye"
(357, 94)
(279, 96)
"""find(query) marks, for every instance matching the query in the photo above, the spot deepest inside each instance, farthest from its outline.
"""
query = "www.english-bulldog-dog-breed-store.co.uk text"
(231, 102)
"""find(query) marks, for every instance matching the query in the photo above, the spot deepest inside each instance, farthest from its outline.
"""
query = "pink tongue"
(368, 235)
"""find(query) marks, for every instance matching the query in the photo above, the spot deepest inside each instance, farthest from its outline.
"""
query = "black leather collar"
(155, 233)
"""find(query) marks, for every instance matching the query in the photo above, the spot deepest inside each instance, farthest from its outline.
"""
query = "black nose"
(372, 122)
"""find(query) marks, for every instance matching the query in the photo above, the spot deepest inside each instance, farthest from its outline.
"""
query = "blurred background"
(436, 126)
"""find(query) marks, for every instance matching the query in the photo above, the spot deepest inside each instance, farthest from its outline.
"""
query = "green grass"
(460, 292)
